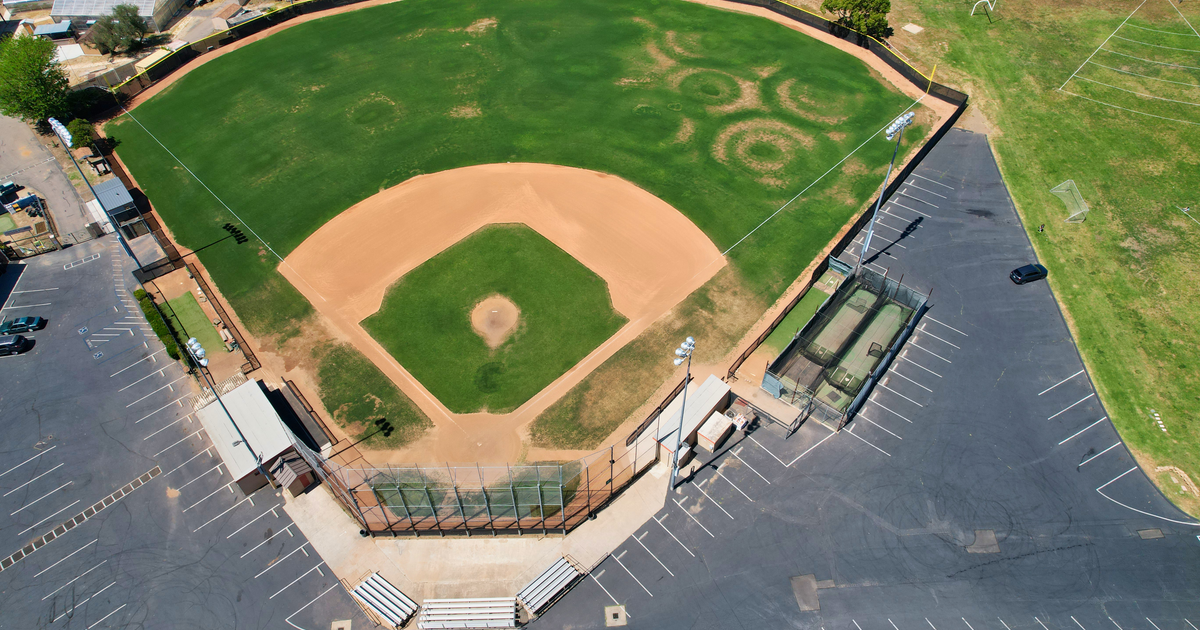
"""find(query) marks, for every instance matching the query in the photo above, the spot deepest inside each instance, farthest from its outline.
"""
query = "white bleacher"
(385, 600)
(485, 612)
(547, 586)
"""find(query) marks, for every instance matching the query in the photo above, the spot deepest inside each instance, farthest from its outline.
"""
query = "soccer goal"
(1076, 206)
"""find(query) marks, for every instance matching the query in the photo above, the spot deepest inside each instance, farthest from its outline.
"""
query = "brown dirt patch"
(794, 99)
(686, 129)
(481, 26)
(683, 45)
(495, 318)
(470, 110)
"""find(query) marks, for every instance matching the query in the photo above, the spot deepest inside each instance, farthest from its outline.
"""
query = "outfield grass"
(364, 401)
(425, 319)
(1125, 277)
(724, 116)
(186, 315)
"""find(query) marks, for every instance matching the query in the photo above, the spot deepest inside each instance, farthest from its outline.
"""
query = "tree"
(81, 133)
(121, 30)
(33, 86)
(868, 17)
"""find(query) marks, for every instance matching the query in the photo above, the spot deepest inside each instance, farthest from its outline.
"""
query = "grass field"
(186, 315)
(795, 320)
(723, 116)
(425, 319)
(1126, 276)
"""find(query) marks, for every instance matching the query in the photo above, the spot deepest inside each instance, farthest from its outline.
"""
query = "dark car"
(22, 324)
(13, 344)
(1028, 273)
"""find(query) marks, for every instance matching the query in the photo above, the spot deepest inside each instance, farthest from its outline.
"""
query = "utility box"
(713, 432)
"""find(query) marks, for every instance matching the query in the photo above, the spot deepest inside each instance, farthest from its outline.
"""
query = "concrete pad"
(985, 542)
(913, 28)
(1150, 534)
(804, 587)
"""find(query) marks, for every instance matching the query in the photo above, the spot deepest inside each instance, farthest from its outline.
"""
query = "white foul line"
(1060, 382)
(1084, 429)
(1094, 54)
(1072, 405)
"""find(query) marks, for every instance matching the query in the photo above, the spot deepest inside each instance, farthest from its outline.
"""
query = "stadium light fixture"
(684, 351)
(196, 350)
(894, 130)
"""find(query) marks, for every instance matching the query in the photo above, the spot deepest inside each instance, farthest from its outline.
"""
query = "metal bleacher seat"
(546, 587)
(385, 600)
(485, 612)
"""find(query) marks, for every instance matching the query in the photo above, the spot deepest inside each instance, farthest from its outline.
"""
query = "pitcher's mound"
(495, 318)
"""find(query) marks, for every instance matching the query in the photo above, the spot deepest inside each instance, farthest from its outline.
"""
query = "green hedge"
(161, 328)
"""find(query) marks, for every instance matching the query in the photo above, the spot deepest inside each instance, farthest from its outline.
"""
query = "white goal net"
(1077, 208)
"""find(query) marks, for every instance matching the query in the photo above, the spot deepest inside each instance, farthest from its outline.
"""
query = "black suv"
(13, 344)
(1028, 273)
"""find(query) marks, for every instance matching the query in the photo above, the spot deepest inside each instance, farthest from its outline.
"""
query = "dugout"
(829, 367)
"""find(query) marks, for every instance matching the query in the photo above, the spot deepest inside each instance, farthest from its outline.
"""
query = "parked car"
(1028, 273)
(13, 344)
(22, 324)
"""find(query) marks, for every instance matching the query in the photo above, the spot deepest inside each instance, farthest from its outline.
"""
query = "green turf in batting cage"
(795, 320)
(424, 322)
(187, 316)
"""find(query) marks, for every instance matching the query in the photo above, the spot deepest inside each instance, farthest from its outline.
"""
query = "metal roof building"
(259, 422)
(156, 12)
(113, 196)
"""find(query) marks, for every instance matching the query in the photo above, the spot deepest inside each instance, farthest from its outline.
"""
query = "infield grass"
(425, 319)
(724, 116)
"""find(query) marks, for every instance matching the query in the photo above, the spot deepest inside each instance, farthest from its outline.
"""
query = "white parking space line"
(155, 392)
(22, 508)
(930, 623)
(893, 625)
(1040, 623)
(806, 452)
(76, 606)
(177, 400)
(1072, 406)
(635, 578)
(926, 190)
(851, 432)
(714, 502)
(1060, 382)
(765, 449)
(201, 476)
(1116, 624)
(936, 182)
(939, 338)
(897, 203)
(904, 193)
(893, 372)
(908, 223)
(288, 620)
(967, 622)
(882, 224)
(34, 479)
(901, 395)
(877, 404)
(65, 558)
(1116, 478)
(167, 427)
(28, 460)
(1099, 454)
(908, 360)
(859, 242)
(951, 328)
(287, 529)
(881, 427)
(685, 548)
(1189, 623)
(106, 616)
(270, 511)
(161, 371)
(224, 513)
(34, 290)
(181, 441)
(1153, 624)
(27, 305)
(280, 561)
(304, 575)
(660, 562)
(60, 511)
(718, 469)
(74, 579)
(693, 517)
(1083, 429)
(735, 454)
(188, 461)
(1004, 624)
(610, 596)
(1077, 623)
(882, 270)
(913, 344)
(209, 496)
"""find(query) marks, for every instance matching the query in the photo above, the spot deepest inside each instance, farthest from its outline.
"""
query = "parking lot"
(116, 509)
(980, 487)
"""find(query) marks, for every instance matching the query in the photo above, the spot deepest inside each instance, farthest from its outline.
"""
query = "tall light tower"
(894, 130)
(682, 353)
(197, 351)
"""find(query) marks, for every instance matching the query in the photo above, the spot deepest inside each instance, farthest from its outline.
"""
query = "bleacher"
(387, 603)
(486, 612)
(546, 587)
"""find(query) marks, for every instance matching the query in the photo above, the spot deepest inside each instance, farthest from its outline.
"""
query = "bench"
(385, 600)
(485, 612)
(546, 587)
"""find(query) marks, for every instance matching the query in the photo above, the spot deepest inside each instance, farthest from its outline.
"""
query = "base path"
(648, 252)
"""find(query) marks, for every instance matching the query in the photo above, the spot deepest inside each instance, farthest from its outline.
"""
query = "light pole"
(684, 351)
(197, 352)
(896, 129)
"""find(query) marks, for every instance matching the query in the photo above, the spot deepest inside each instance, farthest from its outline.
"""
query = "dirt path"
(649, 253)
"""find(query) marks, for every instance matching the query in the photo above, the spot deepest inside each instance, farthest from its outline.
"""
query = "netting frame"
(1077, 208)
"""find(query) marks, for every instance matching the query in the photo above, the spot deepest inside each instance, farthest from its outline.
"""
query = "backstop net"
(1077, 208)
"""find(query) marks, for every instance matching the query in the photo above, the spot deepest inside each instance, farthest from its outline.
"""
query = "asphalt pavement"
(27, 162)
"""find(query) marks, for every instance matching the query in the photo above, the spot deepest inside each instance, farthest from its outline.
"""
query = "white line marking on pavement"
(635, 578)
(1042, 624)
(930, 623)
(270, 511)
(1083, 429)
(927, 190)
(951, 328)
(201, 475)
(22, 508)
(289, 617)
(34, 290)
(1116, 478)
(161, 371)
(60, 511)
(848, 430)
(1004, 624)
(893, 625)
(1116, 624)
(908, 360)
(187, 462)
(939, 184)
(904, 193)
(76, 606)
(967, 622)
(1169, 520)
(1072, 405)
(27, 305)
(167, 427)
(1077, 623)
(660, 562)
(901, 395)
(685, 548)
(856, 624)
(39, 455)
(735, 454)
(1189, 623)
(34, 479)
(714, 502)
(221, 514)
(811, 448)
(880, 223)
(1060, 382)
(74, 579)
(161, 408)
(285, 529)
(877, 404)
(280, 561)
(765, 449)
(614, 599)
(938, 338)
(718, 469)
(1099, 454)
(184, 439)
(209, 496)
(895, 373)
(106, 616)
(1153, 624)
(897, 203)
(888, 432)
(913, 343)
(305, 574)
(65, 558)
(685, 511)
(155, 392)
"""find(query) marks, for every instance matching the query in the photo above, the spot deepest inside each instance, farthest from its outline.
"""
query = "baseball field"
(722, 117)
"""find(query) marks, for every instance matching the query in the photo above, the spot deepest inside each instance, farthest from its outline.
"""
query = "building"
(61, 30)
(118, 204)
(263, 431)
(157, 13)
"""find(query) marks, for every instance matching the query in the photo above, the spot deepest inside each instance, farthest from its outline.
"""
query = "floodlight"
(679, 361)
(680, 352)
(689, 341)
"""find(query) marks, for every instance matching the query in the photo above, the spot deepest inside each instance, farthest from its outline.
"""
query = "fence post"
(458, 499)
(429, 498)
(487, 504)
(513, 494)
(562, 501)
